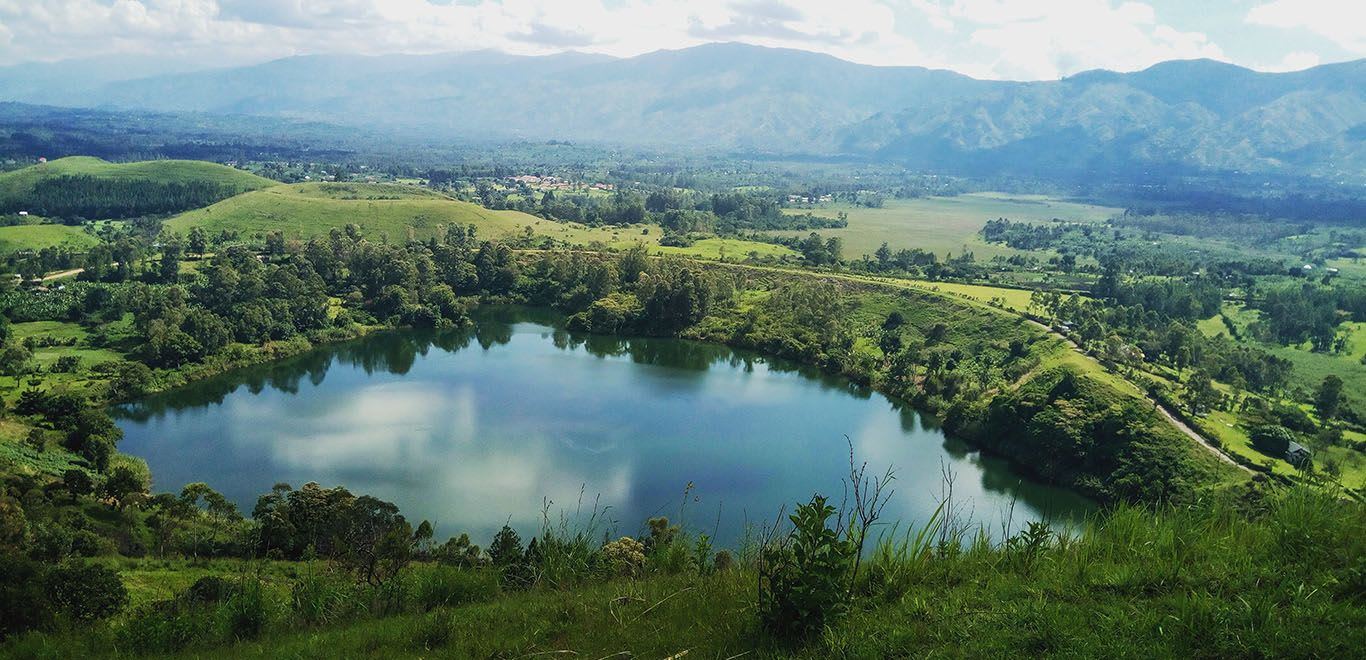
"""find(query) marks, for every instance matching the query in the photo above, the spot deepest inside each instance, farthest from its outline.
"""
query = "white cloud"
(1295, 61)
(1052, 39)
(988, 38)
(1343, 23)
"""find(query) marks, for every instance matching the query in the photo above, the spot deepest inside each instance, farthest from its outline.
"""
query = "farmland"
(944, 224)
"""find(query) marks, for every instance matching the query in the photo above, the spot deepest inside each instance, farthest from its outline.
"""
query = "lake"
(515, 418)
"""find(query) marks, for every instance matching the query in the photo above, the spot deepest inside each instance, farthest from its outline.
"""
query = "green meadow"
(944, 224)
(18, 238)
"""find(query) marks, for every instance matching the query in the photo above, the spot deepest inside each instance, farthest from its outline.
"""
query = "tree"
(1328, 397)
(15, 360)
(884, 256)
(77, 482)
(506, 548)
(378, 542)
(199, 242)
(122, 482)
(171, 251)
(1271, 440)
(93, 435)
(1202, 395)
(129, 380)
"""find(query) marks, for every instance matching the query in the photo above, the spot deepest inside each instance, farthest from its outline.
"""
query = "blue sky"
(1013, 39)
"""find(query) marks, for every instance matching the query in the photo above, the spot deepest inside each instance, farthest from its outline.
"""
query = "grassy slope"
(19, 182)
(1200, 581)
(401, 212)
(945, 224)
(37, 237)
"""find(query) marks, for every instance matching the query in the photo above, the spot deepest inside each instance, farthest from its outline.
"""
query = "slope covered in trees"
(83, 187)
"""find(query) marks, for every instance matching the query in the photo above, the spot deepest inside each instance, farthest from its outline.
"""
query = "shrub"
(85, 593)
(803, 578)
(23, 605)
(1271, 440)
(624, 556)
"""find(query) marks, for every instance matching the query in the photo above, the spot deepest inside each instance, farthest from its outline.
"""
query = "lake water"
(516, 416)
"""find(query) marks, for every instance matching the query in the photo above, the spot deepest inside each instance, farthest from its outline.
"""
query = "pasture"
(19, 238)
(944, 225)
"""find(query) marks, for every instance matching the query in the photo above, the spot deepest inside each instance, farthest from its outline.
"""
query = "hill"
(306, 210)
(1184, 116)
(93, 188)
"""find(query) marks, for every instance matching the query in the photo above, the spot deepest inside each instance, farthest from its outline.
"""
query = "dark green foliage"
(1328, 398)
(376, 542)
(23, 600)
(84, 196)
(86, 592)
(803, 578)
(77, 482)
(506, 553)
(1271, 440)
(129, 380)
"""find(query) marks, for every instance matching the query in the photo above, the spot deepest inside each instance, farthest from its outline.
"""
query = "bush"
(23, 605)
(85, 593)
(1271, 440)
(803, 578)
(165, 627)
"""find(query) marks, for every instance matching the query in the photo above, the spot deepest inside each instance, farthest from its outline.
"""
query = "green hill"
(313, 209)
(93, 188)
(401, 212)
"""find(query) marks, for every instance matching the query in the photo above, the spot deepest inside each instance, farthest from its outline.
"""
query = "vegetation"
(82, 187)
(1064, 379)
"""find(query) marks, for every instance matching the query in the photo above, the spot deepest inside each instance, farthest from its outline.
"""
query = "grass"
(402, 212)
(1309, 367)
(310, 210)
(1246, 574)
(45, 356)
(35, 237)
(729, 248)
(944, 224)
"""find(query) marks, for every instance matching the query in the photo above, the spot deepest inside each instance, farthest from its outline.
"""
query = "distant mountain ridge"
(1181, 116)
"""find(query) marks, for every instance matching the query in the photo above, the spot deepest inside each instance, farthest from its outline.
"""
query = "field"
(944, 224)
(36, 237)
(1309, 367)
(19, 182)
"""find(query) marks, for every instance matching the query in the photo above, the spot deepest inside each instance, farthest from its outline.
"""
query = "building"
(1297, 454)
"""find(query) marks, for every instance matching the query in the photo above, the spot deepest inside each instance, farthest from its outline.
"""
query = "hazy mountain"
(1189, 115)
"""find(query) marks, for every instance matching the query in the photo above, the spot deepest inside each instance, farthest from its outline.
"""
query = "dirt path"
(62, 273)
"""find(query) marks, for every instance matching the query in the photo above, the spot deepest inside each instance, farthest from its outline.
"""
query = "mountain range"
(1179, 116)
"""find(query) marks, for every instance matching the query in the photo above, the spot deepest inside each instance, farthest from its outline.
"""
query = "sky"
(998, 39)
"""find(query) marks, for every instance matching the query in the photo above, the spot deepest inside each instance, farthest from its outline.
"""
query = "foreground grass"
(1244, 576)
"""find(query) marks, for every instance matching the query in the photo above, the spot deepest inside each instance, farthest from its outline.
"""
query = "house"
(1297, 454)
(23, 213)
